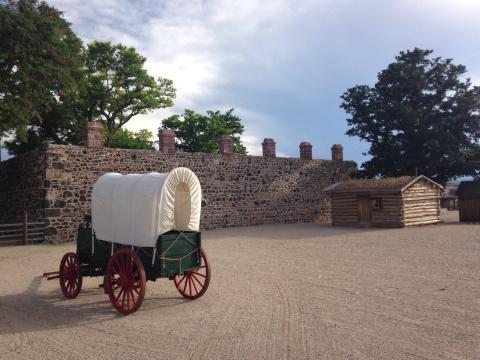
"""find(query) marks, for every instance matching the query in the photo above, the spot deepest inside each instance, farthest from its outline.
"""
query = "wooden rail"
(22, 233)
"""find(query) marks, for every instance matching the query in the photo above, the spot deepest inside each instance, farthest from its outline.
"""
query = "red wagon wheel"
(125, 281)
(70, 275)
(194, 283)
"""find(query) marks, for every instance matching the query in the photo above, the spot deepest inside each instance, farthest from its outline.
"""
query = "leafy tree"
(40, 64)
(113, 88)
(126, 139)
(118, 87)
(200, 133)
(59, 126)
(421, 117)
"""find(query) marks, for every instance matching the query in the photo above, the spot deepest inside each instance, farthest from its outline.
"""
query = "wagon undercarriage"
(125, 269)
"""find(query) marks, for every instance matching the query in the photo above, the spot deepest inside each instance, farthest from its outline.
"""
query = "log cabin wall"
(390, 213)
(344, 209)
(421, 203)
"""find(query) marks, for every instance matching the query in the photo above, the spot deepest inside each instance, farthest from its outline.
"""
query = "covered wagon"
(142, 227)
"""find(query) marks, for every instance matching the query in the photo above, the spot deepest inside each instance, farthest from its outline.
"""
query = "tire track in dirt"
(280, 291)
(291, 324)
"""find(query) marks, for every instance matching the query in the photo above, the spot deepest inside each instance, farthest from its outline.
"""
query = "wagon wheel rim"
(70, 275)
(194, 283)
(125, 281)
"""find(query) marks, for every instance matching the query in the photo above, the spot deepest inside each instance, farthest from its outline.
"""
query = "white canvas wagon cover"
(135, 209)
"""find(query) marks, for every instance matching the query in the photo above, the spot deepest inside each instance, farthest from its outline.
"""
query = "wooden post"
(25, 227)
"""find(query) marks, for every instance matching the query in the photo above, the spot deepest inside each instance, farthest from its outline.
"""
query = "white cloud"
(252, 143)
(282, 64)
(194, 43)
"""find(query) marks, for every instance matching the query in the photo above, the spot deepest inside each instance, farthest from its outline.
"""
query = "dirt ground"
(303, 291)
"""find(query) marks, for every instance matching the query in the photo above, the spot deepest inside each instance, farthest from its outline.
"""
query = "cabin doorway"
(364, 212)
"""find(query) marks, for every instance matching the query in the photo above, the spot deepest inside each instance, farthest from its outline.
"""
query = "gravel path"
(303, 291)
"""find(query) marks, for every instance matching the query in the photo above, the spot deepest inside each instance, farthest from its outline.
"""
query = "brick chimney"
(268, 146)
(226, 145)
(305, 150)
(166, 141)
(337, 152)
(94, 135)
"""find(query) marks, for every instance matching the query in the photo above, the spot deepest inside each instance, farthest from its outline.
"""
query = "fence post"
(25, 227)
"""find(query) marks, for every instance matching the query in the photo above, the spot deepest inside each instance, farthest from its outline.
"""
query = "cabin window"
(377, 204)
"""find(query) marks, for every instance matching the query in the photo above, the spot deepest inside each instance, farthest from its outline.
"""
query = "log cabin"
(468, 193)
(389, 202)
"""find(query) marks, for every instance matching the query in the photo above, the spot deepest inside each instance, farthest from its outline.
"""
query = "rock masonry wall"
(22, 187)
(56, 182)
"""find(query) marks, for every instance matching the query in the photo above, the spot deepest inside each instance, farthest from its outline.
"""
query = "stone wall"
(54, 184)
(239, 190)
(22, 187)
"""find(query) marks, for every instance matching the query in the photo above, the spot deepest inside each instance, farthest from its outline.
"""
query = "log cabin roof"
(469, 188)
(397, 184)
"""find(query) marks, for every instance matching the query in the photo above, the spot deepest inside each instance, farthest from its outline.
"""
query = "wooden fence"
(22, 233)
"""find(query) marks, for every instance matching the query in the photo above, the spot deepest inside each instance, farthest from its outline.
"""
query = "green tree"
(126, 139)
(60, 125)
(421, 117)
(40, 65)
(200, 133)
(118, 87)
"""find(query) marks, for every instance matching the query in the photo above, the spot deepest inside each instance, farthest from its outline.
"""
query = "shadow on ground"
(321, 229)
(50, 310)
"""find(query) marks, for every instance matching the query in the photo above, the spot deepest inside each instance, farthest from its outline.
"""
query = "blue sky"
(281, 64)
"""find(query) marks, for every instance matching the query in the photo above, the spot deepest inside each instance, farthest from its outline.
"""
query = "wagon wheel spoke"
(127, 273)
(119, 294)
(123, 300)
(136, 290)
(198, 280)
(135, 282)
(134, 276)
(132, 296)
(186, 281)
(193, 283)
(201, 275)
(116, 267)
(181, 280)
(70, 277)
(190, 284)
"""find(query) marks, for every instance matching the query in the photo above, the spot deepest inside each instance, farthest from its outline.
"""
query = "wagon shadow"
(34, 311)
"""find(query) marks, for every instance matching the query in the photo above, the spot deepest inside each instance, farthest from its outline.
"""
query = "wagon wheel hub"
(123, 281)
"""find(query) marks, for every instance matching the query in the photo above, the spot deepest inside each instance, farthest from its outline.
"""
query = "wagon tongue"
(51, 275)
